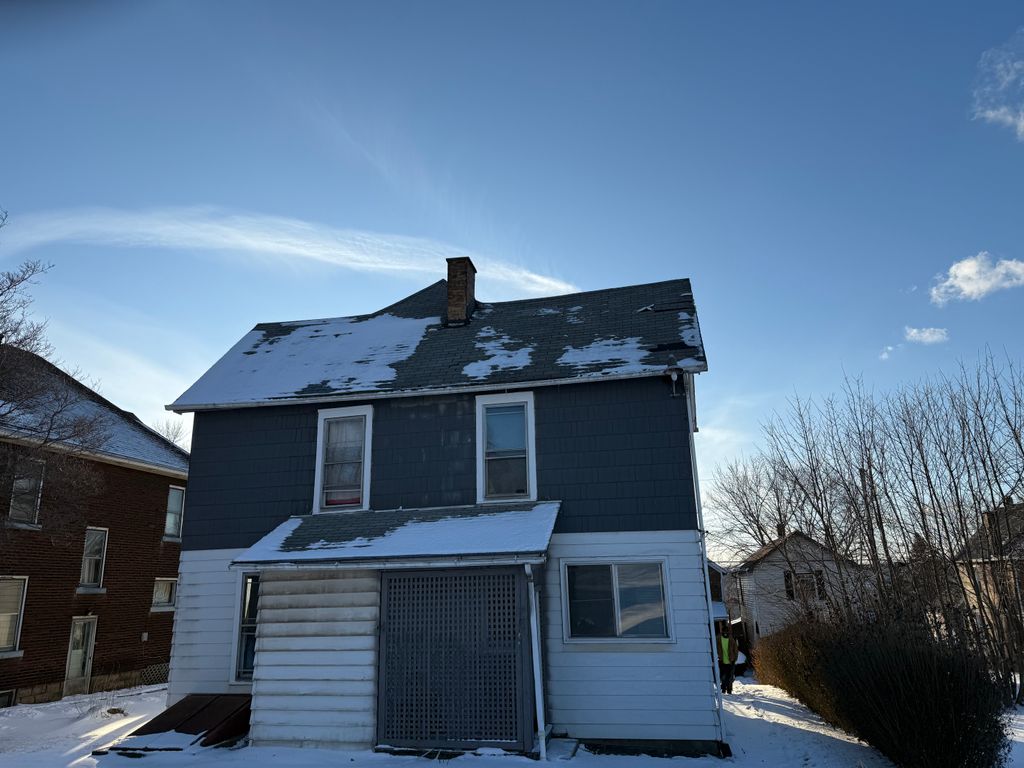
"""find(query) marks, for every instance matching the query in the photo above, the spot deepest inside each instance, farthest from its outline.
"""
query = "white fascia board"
(467, 389)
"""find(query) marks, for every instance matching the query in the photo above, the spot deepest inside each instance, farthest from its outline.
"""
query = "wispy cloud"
(976, 277)
(269, 237)
(886, 352)
(999, 88)
(925, 335)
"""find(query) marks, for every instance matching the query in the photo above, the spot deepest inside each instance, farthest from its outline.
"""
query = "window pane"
(90, 572)
(175, 499)
(641, 600)
(347, 475)
(591, 602)
(8, 631)
(163, 592)
(506, 477)
(172, 524)
(250, 597)
(246, 654)
(343, 462)
(10, 595)
(25, 491)
(94, 543)
(344, 441)
(506, 428)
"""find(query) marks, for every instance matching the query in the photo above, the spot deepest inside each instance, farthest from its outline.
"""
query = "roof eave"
(176, 407)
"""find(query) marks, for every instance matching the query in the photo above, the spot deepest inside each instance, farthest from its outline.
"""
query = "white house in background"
(451, 524)
(785, 581)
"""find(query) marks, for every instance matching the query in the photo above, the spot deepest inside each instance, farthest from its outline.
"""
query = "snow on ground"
(765, 728)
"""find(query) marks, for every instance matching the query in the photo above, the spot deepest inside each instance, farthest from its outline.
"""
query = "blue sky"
(817, 169)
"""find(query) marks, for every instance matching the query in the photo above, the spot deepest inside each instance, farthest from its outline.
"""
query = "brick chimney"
(461, 290)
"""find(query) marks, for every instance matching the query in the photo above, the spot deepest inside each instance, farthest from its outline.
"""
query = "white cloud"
(925, 335)
(269, 237)
(886, 352)
(999, 88)
(976, 277)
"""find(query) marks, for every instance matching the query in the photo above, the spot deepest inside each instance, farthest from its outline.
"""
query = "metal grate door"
(454, 660)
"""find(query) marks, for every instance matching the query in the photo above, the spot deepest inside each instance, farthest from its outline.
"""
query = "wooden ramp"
(206, 719)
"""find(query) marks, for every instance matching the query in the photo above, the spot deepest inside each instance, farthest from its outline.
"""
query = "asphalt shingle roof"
(406, 347)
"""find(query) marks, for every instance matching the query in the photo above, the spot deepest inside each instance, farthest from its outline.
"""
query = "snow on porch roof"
(637, 330)
(477, 530)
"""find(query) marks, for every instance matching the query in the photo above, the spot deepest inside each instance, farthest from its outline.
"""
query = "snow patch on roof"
(509, 531)
(627, 353)
(688, 330)
(571, 315)
(320, 356)
(501, 358)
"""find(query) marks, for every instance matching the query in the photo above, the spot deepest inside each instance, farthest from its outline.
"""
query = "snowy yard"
(766, 728)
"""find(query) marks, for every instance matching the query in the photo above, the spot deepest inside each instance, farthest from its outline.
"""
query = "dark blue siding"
(615, 453)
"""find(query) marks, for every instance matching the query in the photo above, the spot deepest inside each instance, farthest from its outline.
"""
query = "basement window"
(6, 699)
(616, 600)
(26, 491)
(343, 447)
(506, 447)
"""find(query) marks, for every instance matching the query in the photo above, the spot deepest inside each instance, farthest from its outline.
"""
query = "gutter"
(386, 564)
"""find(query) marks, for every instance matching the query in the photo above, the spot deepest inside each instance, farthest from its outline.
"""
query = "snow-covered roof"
(638, 330)
(119, 434)
(475, 530)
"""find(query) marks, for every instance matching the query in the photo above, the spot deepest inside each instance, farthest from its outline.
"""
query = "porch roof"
(479, 530)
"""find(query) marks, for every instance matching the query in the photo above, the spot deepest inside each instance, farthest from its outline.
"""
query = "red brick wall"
(131, 504)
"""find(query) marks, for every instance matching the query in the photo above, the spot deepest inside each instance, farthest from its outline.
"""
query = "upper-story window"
(175, 511)
(93, 557)
(343, 458)
(506, 455)
(26, 490)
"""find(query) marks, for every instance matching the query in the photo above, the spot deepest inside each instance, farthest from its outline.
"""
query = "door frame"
(89, 653)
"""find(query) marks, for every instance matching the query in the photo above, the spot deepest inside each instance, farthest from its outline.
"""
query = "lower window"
(12, 604)
(6, 699)
(165, 593)
(616, 600)
(246, 655)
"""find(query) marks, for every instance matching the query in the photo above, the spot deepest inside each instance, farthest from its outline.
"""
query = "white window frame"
(236, 633)
(366, 411)
(567, 637)
(16, 650)
(165, 607)
(103, 560)
(39, 493)
(506, 398)
(181, 518)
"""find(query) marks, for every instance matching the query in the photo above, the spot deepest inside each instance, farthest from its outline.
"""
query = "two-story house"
(89, 540)
(454, 524)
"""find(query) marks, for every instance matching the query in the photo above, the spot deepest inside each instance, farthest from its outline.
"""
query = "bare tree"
(173, 429)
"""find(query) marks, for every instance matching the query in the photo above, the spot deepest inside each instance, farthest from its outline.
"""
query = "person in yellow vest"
(728, 650)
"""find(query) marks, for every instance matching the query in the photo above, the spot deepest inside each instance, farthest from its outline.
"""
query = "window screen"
(505, 457)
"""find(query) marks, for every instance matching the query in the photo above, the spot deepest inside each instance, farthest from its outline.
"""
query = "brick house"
(454, 524)
(87, 579)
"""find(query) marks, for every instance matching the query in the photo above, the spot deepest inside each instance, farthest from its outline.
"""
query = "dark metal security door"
(454, 660)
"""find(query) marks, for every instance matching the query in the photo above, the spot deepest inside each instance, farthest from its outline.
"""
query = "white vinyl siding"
(633, 690)
(316, 659)
(205, 622)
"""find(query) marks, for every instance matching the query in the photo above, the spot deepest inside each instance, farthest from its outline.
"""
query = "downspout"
(538, 678)
(691, 419)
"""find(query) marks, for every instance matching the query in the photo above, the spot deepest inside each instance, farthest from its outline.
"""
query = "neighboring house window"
(247, 627)
(506, 453)
(175, 511)
(93, 557)
(343, 458)
(6, 699)
(616, 600)
(165, 592)
(27, 490)
(12, 610)
(806, 587)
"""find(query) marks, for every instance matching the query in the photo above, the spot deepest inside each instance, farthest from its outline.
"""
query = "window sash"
(346, 454)
(508, 452)
(26, 490)
(248, 609)
(165, 593)
(175, 511)
(93, 557)
(12, 605)
(623, 629)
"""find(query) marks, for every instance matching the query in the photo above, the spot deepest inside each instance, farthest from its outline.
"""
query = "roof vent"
(461, 290)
